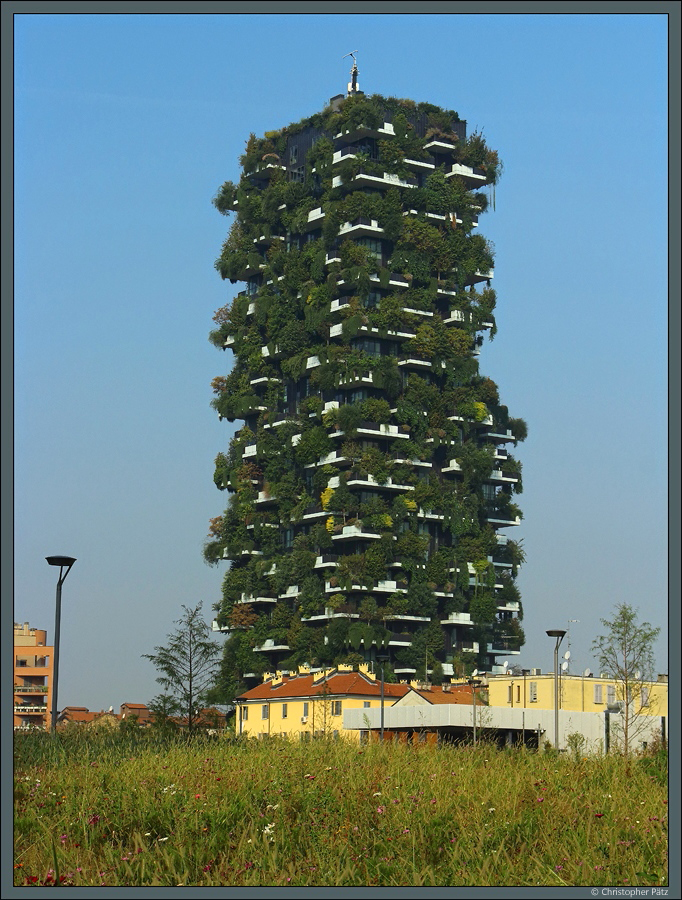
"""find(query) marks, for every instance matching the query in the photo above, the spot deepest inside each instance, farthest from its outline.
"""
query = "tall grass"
(134, 809)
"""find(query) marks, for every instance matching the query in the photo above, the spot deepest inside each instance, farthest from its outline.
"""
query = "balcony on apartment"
(30, 689)
(498, 649)
(330, 614)
(415, 364)
(377, 587)
(355, 532)
(366, 330)
(266, 169)
(327, 561)
(442, 146)
(358, 132)
(269, 646)
(453, 467)
(361, 227)
(459, 619)
(378, 182)
(335, 458)
(315, 219)
(376, 429)
(495, 433)
(369, 481)
(32, 661)
(33, 709)
(314, 513)
(256, 600)
(472, 176)
(500, 519)
(266, 240)
(497, 475)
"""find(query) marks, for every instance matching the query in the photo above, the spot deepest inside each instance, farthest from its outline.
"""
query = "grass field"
(136, 809)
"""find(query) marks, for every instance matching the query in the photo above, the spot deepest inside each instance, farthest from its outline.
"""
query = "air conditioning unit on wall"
(304, 719)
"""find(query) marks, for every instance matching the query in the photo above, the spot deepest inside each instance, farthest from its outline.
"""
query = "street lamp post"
(381, 659)
(473, 684)
(557, 633)
(64, 562)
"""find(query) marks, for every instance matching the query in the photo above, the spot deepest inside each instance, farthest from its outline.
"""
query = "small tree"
(163, 706)
(188, 664)
(625, 652)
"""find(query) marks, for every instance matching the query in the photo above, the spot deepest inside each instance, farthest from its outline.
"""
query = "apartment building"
(33, 678)
(372, 478)
(311, 704)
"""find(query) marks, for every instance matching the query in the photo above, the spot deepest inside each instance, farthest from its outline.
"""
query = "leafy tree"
(164, 706)
(188, 663)
(625, 652)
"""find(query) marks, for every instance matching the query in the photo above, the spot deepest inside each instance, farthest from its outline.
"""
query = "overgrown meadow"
(140, 809)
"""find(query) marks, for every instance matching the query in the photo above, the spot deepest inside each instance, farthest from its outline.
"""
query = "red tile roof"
(436, 695)
(343, 684)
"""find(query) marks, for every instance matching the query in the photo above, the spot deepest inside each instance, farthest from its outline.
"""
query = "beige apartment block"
(33, 678)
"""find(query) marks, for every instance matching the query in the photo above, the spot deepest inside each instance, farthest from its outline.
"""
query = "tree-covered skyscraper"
(371, 482)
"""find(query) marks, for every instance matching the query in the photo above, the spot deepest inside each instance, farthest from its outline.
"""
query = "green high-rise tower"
(371, 482)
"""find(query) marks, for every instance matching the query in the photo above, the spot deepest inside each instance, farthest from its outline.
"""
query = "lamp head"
(556, 633)
(60, 560)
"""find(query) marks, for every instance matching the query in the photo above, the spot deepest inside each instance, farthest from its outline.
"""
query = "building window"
(366, 704)
(305, 710)
(533, 691)
(245, 713)
(518, 693)
(336, 707)
(510, 694)
(610, 694)
(293, 154)
(645, 696)
(284, 710)
(373, 245)
(598, 698)
(265, 711)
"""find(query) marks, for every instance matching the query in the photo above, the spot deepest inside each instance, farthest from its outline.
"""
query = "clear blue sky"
(125, 126)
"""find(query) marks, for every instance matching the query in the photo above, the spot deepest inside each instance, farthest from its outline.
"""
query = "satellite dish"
(587, 673)
(564, 666)
(567, 654)
(505, 665)
(638, 674)
(474, 673)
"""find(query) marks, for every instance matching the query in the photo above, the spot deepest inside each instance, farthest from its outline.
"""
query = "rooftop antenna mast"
(353, 86)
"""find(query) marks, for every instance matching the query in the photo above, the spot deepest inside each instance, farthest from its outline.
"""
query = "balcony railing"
(30, 689)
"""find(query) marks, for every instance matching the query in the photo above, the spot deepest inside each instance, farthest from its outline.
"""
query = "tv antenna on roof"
(353, 86)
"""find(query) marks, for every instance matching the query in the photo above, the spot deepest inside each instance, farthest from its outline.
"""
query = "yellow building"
(33, 670)
(577, 693)
(311, 704)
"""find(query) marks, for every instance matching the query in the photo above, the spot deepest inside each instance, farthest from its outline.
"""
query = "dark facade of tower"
(371, 481)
